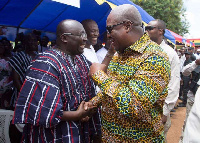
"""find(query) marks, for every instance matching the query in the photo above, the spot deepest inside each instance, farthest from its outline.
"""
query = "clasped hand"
(86, 110)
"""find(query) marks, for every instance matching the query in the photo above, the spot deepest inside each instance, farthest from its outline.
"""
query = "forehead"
(111, 19)
(75, 27)
(92, 25)
(153, 23)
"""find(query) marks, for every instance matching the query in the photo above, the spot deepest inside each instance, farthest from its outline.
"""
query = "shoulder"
(153, 49)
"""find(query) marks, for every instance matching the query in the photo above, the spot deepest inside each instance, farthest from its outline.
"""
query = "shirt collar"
(140, 45)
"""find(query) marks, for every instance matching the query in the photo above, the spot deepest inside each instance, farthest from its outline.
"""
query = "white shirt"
(174, 82)
(101, 53)
(182, 60)
(90, 54)
(192, 128)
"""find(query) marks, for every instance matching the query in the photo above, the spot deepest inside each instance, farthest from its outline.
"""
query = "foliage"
(170, 11)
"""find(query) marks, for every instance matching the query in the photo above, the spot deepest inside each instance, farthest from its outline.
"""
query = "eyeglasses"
(110, 28)
(82, 35)
(149, 28)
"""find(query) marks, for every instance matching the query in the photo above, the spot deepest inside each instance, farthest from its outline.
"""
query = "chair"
(5, 118)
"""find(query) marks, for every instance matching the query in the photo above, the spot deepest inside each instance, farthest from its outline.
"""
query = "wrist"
(108, 55)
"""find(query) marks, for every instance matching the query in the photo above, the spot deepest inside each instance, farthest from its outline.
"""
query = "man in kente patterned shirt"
(133, 81)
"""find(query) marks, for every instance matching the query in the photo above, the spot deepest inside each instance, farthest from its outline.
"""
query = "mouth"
(82, 46)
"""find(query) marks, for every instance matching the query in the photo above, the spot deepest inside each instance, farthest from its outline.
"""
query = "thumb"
(82, 104)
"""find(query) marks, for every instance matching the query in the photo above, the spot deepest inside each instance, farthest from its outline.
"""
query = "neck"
(159, 41)
(64, 51)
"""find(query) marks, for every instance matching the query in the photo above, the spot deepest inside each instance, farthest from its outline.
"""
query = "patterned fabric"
(5, 79)
(19, 63)
(54, 83)
(134, 89)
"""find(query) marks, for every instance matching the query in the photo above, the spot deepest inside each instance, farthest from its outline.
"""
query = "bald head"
(127, 12)
(68, 25)
(71, 37)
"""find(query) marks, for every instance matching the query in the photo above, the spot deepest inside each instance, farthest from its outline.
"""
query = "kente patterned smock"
(134, 90)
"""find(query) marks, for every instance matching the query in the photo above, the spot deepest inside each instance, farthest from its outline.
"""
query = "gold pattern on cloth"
(134, 89)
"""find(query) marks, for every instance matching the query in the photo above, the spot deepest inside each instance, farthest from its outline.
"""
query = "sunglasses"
(111, 27)
(149, 28)
(82, 35)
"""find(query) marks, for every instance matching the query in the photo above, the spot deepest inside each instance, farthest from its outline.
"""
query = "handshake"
(86, 110)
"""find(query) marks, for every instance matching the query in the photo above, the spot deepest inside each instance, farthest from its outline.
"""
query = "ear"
(128, 26)
(63, 38)
(161, 31)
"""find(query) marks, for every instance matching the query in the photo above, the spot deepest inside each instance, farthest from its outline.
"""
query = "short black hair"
(161, 25)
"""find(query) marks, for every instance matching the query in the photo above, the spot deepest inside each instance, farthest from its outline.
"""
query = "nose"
(85, 38)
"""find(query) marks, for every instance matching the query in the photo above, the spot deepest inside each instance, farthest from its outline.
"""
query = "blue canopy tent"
(44, 15)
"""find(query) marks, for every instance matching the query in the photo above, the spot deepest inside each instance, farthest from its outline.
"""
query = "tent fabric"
(178, 38)
(195, 42)
(44, 15)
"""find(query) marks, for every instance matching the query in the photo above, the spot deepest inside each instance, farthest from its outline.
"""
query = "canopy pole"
(28, 15)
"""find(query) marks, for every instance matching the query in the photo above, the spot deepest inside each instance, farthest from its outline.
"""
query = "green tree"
(170, 11)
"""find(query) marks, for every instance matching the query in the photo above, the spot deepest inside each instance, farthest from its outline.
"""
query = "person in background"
(133, 81)
(5, 78)
(43, 44)
(197, 55)
(191, 69)
(192, 131)
(56, 88)
(192, 55)
(182, 60)
(92, 31)
(8, 47)
(185, 80)
(20, 62)
(53, 44)
(156, 31)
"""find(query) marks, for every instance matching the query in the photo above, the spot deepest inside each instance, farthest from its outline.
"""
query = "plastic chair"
(5, 118)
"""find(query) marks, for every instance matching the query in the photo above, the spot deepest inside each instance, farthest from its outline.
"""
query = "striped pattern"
(54, 84)
(19, 63)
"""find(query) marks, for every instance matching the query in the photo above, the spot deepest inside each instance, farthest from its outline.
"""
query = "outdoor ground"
(177, 120)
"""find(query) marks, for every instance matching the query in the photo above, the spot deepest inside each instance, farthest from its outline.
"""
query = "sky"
(193, 16)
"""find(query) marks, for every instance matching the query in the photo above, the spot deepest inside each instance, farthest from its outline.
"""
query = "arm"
(133, 94)
(173, 86)
(190, 67)
(108, 57)
(16, 80)
(79, 114)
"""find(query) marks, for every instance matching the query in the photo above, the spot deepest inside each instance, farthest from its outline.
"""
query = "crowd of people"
(77, 90)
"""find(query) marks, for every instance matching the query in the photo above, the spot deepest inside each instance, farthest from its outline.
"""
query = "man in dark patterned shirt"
(52, 98)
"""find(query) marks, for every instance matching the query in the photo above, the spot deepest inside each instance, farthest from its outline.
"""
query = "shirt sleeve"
(39, 102)
(189, 68)
(146, 89)
(174, 82)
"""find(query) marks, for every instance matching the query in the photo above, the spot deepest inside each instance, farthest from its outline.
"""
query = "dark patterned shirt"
(54, 83)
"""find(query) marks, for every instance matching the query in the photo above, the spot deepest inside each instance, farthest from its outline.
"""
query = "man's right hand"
(85, 109)
(197, 61)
